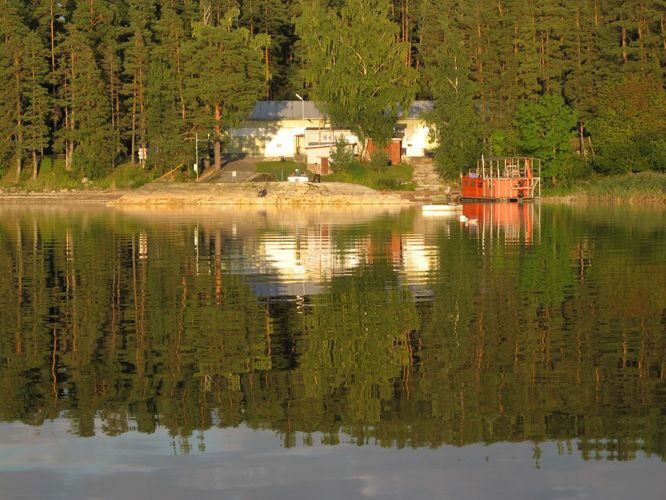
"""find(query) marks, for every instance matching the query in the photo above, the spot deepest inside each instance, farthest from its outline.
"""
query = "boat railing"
(510, 166)
(525, 169)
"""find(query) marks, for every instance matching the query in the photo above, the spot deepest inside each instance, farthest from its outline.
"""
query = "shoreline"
(258, 193)
(87, 196)
(277, 194)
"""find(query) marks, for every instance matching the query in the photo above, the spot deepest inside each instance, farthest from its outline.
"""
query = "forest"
(92, 83)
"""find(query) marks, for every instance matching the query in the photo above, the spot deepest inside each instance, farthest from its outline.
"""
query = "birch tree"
(354, 64)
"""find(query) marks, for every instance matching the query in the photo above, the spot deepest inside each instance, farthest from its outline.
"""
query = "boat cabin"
(503, 179)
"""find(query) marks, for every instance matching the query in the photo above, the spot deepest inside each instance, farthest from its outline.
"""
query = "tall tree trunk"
(35, 164)
(267, 72)
(69, 117)
(68, 153)
(142, 116)
(217, 151)
(133, 140)
(19, 135)
(478, 53)
(405, 28)
(181, 92)
(53, 65)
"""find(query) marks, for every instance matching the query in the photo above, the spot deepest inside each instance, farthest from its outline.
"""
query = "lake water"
(332, 353)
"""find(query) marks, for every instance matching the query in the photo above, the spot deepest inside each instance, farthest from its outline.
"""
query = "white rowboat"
(441, 208)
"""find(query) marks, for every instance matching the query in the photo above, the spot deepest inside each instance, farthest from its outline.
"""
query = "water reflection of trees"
(136, 327)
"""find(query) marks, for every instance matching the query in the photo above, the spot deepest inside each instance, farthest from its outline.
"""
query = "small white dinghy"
(444, 210)
(441, 208)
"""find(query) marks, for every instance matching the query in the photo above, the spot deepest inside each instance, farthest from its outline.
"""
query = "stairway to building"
(426, 177)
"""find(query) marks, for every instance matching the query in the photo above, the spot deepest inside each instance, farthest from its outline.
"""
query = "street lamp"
(302, 106)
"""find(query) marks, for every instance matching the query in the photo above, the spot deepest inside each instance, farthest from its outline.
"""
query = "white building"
(297, 129)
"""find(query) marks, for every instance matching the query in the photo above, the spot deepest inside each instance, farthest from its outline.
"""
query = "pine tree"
(581, 78)
(529, 76)
(225, 76)
(633, 35)
(167, 111)
(37, 101)
(137, 62)
(501, 62)
(13, 33)
(87, 136)
(163, 121)
(49, 15)
(446, 70)
(272, 18)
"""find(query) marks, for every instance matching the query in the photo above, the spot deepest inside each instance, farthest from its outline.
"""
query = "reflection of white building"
(302, 261)
(287, 129)
(309, 257)
(313, 258)
(418, 258)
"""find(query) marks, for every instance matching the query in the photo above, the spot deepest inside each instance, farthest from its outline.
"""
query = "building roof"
(285, 110)
(419, 107)
(294, 110)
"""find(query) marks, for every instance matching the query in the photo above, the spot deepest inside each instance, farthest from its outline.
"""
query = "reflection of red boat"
(509, 219)
(509, 178)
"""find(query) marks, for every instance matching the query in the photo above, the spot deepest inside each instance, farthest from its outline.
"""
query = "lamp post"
(302, 106)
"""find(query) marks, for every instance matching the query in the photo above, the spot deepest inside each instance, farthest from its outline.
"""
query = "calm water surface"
(332, 353)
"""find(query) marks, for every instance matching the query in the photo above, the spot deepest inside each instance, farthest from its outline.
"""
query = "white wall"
(275, 140)
(270, 142)
(283, 142)
(417, 139)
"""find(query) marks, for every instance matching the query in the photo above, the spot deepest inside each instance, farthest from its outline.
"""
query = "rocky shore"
(252, 193)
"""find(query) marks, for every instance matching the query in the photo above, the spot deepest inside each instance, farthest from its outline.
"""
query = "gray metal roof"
(285, 110)
(419, 107)
(294, 110)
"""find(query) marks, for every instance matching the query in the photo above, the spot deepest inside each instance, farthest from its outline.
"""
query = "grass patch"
(53, 177)
(644, 187)
(280, 169)
(126, 176)
(392, 178)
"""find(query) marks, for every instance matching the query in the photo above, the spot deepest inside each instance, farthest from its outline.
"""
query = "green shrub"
(379, 160)
(342, 155)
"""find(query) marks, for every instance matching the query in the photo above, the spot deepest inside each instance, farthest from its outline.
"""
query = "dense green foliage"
(355, 66)
(546, 79)
(101, 81)
(119, 322)
(54, 177)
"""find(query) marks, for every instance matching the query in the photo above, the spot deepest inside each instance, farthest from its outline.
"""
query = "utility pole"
(302, 106)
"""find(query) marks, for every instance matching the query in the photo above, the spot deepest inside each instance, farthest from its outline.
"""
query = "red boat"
(503, 179)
